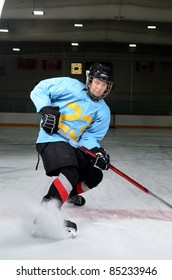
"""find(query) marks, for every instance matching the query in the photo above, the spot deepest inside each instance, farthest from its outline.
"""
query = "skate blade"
(71, 232)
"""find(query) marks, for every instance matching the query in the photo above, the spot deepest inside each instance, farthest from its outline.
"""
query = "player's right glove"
(50, 119)
(102, 159)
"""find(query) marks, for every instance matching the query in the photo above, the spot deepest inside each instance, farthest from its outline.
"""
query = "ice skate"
(77, 200)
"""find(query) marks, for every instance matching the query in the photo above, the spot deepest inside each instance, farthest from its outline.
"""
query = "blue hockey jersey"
(83, 119)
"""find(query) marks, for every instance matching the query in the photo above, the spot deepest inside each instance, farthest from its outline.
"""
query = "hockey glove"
(50, 119)
(102, 159)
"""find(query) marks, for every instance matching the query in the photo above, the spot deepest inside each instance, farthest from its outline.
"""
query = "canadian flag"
(50, 64)
(144, 66)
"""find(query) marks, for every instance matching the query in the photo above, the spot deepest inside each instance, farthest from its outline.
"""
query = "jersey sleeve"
(40, 95)
(49, 90)
(97, 130)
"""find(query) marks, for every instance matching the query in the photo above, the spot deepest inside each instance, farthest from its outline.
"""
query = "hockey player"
(80, 111)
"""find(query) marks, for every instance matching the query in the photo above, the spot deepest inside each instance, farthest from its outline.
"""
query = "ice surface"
(118, 221)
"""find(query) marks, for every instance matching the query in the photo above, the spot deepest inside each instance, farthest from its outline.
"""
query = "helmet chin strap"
(94, 97)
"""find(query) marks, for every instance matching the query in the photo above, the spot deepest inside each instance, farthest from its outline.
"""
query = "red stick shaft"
(113, 168)
(129, 179)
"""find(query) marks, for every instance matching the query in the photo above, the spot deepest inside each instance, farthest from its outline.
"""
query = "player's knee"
(72, 174)
(95, 176)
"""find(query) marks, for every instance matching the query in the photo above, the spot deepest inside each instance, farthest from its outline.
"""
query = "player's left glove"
(102, 159)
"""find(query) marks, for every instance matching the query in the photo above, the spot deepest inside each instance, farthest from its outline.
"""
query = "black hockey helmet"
(103, 73)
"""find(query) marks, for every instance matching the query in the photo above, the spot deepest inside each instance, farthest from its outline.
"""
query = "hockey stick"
(113, 168)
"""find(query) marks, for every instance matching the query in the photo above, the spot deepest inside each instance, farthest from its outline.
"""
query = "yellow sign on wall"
(76, 68)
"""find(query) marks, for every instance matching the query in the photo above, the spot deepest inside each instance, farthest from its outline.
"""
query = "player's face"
(97, 87)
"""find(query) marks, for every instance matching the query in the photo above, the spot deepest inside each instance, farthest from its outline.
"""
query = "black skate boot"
(77, 200)
(71, 228)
